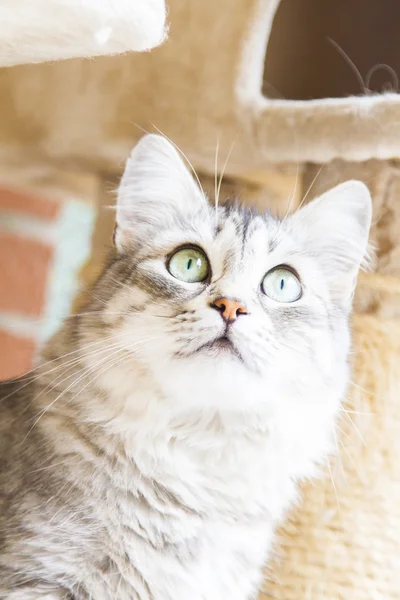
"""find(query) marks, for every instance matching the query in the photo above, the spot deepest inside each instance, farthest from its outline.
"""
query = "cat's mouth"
(222, 342)
(222, 345)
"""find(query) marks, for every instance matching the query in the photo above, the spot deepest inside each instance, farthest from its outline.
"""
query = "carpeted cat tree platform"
(214, 80)
(262, 79)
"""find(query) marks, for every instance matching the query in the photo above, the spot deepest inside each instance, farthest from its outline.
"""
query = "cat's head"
(211, 301)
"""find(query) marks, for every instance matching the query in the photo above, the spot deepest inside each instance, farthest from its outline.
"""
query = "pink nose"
(229, 308)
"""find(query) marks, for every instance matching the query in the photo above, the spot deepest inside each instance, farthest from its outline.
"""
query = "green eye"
(189, 264)
(281, 285)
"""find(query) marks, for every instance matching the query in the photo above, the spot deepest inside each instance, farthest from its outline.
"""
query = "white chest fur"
(194, 536)
(192, 507)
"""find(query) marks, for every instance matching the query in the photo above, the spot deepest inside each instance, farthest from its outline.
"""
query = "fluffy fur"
(48, 31)
(142, 461)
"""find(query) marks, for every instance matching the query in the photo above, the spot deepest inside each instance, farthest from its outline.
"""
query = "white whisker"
(184, 156)
(333, 483)
(356, 429)
(224, 169)
(216, 195)
(310, 187)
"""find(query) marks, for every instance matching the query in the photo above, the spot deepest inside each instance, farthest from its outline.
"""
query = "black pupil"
(189, 264)
(282, 284)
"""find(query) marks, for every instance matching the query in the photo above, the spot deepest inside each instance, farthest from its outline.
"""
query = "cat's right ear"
(156, 189)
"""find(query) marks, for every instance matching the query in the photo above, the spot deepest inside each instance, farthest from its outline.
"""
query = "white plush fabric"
(33, 31)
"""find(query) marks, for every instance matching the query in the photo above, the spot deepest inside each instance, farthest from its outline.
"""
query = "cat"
(154, 453)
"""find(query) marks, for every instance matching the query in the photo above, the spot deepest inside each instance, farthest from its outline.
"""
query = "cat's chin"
(212, 378)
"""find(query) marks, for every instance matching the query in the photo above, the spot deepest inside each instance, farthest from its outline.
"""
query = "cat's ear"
(335, 229)
(156, 189)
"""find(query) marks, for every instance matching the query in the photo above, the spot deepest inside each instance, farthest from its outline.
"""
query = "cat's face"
(227, 300)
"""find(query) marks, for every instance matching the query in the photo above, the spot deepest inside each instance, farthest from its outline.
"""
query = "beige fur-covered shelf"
(49, 30)
(203, 86)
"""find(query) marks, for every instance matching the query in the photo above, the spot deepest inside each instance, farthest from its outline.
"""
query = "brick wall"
(44, 241)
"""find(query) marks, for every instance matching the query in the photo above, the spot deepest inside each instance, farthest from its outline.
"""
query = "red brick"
(27, 203)
(16, 355)
(24, 267)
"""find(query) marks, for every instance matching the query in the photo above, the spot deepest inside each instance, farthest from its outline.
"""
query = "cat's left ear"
(155, 192)
(335, 229)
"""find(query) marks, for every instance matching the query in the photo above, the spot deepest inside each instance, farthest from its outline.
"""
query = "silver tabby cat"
(153, 455)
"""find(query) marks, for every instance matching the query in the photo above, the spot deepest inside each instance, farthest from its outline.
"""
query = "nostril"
(229, 308)
(219, 306)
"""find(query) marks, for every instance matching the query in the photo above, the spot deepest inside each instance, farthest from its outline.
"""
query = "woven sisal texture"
(343, 543)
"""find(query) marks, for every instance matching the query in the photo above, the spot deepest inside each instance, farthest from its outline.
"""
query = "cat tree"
(204, 84)
(218, 80)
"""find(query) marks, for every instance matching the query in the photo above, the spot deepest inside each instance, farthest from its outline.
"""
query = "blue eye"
(282, 285)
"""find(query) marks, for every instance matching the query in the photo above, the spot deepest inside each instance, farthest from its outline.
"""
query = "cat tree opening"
(309, 39)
